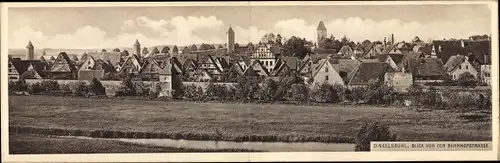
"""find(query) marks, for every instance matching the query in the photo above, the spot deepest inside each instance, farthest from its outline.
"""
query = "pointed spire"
(230, 29)
(136, 42)
(30, 46)
(321, 26)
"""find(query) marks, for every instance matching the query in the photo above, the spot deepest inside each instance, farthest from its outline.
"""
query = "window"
(12, 77)
(10, 70)
(460, 67)
(466, 67)
(10, 65)
(326, 77)
(453, 76)
(326, 69)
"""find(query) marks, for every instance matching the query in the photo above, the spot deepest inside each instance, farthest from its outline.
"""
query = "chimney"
(392, 38)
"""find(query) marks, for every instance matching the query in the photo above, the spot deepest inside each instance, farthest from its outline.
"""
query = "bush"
(154, 93)
(431, 97)
(356, 94)
(268, 91)
(127, 87)
(36, 88)
(372, 131)
(65, 90)
(299, 92)
(19, 85)
(326, 93)
(247, 89)
(96, 87)
(215, 92)
(81, 89)
(378, 92)
(467, 80)
(50, 86)
(193, 92)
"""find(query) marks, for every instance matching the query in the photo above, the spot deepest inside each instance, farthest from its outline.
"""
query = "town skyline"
(181, 26)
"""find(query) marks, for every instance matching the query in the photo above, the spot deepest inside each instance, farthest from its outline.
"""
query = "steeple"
(230, 40)
(137, 48)
(136, 42)
(30, 45)
(321, 26)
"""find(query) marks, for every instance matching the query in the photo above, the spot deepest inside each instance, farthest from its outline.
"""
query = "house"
(400, 81)
(150, 70)
(407, 57)
(14, 69)
(112, 58)
(346, 51)
(267, 54)
(345, 66)
(232, 74)
(486, 74)
(131, 65)
(285, 66)
(202, 75)
(458, 65)
(426, 70)
(326, 73)
(259, 68)
(63, 68)
(394, 60)
(367, 72)
(212, 65)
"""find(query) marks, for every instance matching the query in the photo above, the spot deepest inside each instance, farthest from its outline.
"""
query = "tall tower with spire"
(137, 48)
(321, 32)
(30, 51)
(230, 40)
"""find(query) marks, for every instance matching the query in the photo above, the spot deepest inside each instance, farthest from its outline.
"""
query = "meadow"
(242, 122)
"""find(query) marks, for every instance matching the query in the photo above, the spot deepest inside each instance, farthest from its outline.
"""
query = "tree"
(466, 80)
(124, 53)
(236, 45)
(220, 47)
(96, 87)
(268, 90)
(296, 47)
(299, 92)
(116, 50)
(165, 49)
(175, 49)
(344, 41)
(278, 40)
(81, 89)
(416, 92)
(145, 51)
(326, 93)
(103, 50)
(194, 48)
(30, 74)
(127, 87)
(268, 38)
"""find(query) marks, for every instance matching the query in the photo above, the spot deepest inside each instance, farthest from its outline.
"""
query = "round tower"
(230, 41)
(321, 32)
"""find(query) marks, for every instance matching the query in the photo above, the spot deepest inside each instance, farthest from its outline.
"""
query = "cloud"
(358, 29)
(250, 34)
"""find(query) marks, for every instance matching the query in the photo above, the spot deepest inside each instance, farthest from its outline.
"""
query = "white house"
(458, 65)
(325, 73)
(266, 54)
(486, 74)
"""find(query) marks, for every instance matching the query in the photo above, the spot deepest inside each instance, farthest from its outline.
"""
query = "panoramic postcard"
(247, 78)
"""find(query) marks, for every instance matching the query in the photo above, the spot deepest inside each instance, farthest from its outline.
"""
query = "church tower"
(137, 48)
(30, 51)
(230, 41)
(321, 32)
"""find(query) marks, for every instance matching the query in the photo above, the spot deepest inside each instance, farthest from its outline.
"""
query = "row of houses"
(392, 62)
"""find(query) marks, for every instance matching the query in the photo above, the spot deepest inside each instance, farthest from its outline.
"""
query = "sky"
(109, 27)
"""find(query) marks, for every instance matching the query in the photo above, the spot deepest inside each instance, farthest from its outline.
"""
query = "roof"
(409, 56)
(30, 46)
(427, 67)
(366, 72)
(64, 67)
(230, 30)
(397, 58)
(322, 51)
(318, 68)
(111, 57)
(346, 50)
(389, 48)
(166, 70)
(90, 74)
(453, 62)
(321, 26)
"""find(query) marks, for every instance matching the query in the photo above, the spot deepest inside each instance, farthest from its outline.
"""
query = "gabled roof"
(321, 26)
(111, 57)
(200, 72)
(67, 66)
(366, 72)
(147, 63)
(427, 67)
(346, 50)
(259, 64)
(166, 70)
(322, 63)
(409, 56)
(389, 48)
(397, 58)
(454, 61)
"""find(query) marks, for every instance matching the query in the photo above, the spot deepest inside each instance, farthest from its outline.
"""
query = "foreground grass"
(40, 144)
(217, 121)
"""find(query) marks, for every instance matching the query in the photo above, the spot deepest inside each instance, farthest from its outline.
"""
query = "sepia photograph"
(249, 77)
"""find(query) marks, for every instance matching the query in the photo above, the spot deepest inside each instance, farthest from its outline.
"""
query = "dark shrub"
(467, 80)
(96, 87)
(326, 93)
(372, 131)
(81, 89)
(299, 92)
(269, 90)
(50, 86)
(216, 92)
(36, 88)
(127, 87)
(65, 90)
(19, 85)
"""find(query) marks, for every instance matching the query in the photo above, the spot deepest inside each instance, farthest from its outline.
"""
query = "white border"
(244, 157)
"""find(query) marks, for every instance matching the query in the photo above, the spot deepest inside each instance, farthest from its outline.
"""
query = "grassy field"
(238, 120)
(40, 144)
